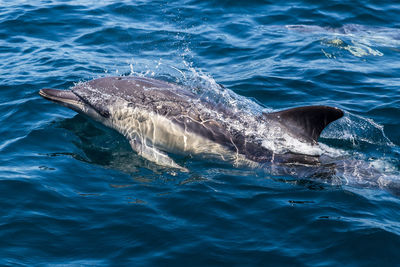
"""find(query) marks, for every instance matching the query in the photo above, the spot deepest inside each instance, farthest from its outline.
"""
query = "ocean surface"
(73, 193)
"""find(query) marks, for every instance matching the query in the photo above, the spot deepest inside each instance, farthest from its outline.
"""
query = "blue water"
(74, 193)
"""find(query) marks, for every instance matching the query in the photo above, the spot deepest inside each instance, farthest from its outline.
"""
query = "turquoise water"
(73, 192)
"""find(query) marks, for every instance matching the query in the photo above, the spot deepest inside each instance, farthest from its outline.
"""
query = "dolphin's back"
(146, 92)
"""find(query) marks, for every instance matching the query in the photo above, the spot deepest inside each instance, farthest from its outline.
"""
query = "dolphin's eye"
(105, 113)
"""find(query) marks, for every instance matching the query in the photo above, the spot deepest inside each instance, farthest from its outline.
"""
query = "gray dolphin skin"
(159, 118)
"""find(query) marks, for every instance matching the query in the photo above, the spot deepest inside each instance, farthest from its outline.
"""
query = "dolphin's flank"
(158, 118)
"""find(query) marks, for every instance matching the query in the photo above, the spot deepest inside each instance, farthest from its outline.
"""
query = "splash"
(357, 130)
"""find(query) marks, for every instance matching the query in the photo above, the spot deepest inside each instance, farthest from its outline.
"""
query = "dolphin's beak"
(64, 97)
(58, 95)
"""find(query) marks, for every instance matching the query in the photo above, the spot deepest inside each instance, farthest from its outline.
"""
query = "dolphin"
(160, 118)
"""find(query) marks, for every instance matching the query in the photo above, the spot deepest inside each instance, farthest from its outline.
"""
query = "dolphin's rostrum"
(160, 117)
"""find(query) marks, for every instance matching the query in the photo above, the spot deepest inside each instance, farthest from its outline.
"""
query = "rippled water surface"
(73, 192)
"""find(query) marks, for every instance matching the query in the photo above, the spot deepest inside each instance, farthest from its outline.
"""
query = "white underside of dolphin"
(151, 134)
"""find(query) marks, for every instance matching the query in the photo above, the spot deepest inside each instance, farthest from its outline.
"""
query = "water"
(73, 192)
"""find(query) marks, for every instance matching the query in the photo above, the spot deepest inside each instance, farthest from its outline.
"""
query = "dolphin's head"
(102, 97)
(71, 100)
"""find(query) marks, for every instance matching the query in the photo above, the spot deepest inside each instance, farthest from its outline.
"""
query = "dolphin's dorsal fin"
(306, 122)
